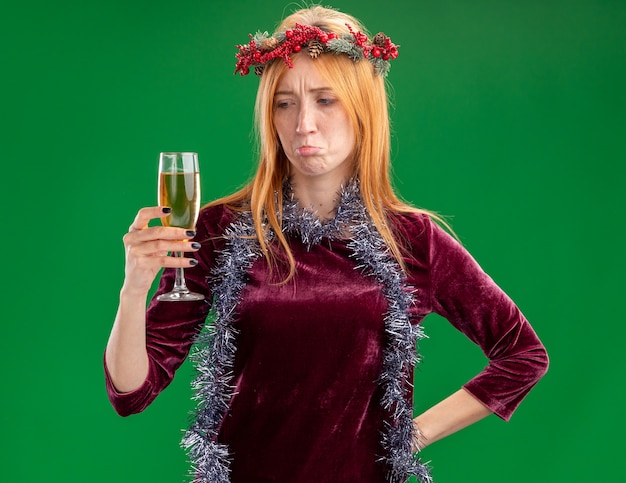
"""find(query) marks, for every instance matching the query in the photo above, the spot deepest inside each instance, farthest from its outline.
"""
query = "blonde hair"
(363, 95)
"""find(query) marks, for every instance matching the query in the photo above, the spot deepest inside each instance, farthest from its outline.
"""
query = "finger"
(158, 233)
(178, 262)
(144, 215)
(153, 264)
(161, 247)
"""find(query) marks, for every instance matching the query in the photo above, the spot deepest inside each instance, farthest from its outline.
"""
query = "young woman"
(318, 278)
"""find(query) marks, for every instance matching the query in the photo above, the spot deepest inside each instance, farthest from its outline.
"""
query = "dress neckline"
(304, 222)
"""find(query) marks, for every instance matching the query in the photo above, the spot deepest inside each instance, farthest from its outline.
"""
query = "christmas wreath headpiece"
(262, 48)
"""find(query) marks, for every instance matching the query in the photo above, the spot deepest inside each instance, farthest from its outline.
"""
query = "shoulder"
(411, 231)
(413, 226)
(420, 234)
(214, 219)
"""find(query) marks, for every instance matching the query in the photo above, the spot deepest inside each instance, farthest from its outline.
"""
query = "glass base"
(180, 296)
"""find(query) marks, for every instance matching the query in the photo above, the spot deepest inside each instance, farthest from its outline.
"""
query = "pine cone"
(258, 70)
(315, 48)
(379, 39)
(269, 43)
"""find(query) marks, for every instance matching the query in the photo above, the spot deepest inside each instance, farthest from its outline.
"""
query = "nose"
(306, 120)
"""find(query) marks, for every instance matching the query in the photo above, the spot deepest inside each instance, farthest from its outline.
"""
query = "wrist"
(419, 441)
(129, 294)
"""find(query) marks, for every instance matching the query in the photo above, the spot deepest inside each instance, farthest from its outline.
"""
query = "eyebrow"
(317, 89)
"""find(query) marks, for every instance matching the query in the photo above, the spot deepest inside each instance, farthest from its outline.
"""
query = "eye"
(326, 101)
(281, 104)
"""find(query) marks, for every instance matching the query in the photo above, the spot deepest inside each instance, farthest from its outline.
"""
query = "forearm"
(452, 414)
(126, 355)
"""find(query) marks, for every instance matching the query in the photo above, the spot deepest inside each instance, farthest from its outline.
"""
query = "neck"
(317, 194)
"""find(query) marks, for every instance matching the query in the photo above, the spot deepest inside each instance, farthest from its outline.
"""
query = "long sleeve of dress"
(171, 327)
(466, 296)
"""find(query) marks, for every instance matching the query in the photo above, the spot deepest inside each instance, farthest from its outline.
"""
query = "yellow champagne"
(181, 192)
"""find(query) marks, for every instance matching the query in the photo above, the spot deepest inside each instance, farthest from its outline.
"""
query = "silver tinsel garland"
(214, 351)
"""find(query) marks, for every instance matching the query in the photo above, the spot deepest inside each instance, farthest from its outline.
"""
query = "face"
(312, 124)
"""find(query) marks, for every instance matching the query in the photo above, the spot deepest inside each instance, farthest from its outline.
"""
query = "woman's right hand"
(147, 249)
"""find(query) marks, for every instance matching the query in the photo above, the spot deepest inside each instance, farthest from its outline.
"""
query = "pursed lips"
(307, 150)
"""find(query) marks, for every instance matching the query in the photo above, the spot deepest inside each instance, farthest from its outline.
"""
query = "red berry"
(297, 48)
(386, 56)
(324, 38)
(376, 52)
(289, 34)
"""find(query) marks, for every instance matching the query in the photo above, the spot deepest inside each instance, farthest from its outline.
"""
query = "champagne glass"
(179, 189)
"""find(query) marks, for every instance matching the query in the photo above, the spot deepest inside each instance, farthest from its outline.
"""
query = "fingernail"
(166, 209)
(195, 245)
(190, 233)
(193, 262)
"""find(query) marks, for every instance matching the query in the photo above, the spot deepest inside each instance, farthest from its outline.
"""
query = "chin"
(309, 168)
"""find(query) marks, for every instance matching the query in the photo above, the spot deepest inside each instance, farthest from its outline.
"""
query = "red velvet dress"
(306, 404)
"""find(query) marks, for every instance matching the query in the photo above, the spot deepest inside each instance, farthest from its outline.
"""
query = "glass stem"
(179, 283)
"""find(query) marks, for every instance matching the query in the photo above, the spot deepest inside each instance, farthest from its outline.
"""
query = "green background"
(510, 117)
